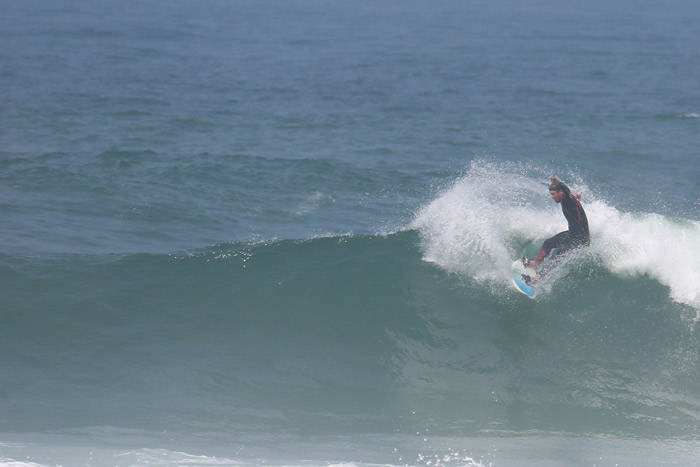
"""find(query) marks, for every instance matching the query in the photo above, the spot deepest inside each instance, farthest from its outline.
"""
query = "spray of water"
(483, 220)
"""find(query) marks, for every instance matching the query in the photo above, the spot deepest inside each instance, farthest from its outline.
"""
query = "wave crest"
(497, 212)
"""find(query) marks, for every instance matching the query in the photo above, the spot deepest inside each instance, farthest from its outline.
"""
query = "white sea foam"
(14, 463)
(665, 249)
(476, 226)
(165, 457)
(467, 228)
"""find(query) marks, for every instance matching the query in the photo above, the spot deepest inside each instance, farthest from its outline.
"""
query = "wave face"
(351, 334)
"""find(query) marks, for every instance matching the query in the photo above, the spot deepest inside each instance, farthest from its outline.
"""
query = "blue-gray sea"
(279, 233)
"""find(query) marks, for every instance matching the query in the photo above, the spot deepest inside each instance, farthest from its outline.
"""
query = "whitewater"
(493, 214)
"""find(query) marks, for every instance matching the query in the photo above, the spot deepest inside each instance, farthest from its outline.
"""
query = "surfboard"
(519, 269)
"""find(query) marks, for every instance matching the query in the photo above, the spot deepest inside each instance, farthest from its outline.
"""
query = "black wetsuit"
(577, 236)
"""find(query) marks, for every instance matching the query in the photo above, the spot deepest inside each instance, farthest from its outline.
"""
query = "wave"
(346, 334)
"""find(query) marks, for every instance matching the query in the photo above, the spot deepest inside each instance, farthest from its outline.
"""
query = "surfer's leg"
(560, 243)
(550, 244)
(566, 244)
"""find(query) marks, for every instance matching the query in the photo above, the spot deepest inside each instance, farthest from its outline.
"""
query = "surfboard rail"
(519, 270)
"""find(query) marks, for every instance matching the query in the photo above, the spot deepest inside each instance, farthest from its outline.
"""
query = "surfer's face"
(556, 195)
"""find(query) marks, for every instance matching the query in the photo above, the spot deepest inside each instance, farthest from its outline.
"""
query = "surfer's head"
(556, 191)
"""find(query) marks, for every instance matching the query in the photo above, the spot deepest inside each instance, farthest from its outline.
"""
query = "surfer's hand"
(554, 180)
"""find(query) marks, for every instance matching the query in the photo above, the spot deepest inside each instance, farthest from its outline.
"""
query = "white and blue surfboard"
(519, 270)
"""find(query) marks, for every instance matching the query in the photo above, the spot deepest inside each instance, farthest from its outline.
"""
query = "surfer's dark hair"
(559, 186)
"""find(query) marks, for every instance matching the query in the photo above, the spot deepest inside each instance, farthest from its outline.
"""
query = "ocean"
(279, 233)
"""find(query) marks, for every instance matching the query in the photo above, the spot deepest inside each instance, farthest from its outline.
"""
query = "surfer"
(578, 234)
